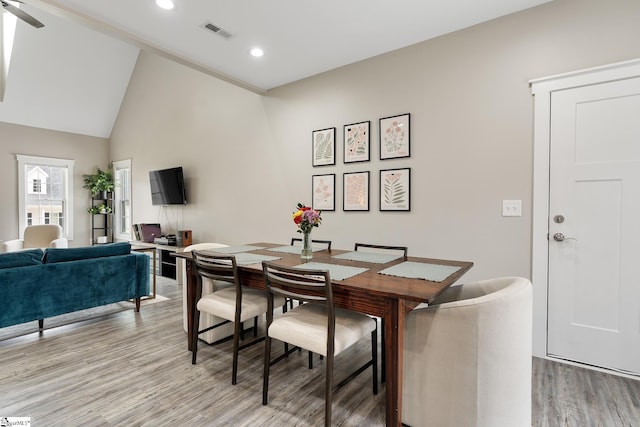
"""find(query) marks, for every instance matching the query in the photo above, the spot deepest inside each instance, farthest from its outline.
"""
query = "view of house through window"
(45, 187)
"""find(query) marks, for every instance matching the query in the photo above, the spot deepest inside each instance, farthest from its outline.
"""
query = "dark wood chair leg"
(237, 327)
(267, 364)
(137, 305)
(310, 360)
(329, 390)
(255, 326)
(41, 325)
(194, 338)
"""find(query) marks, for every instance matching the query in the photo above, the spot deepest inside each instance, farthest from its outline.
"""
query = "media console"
(167, 266)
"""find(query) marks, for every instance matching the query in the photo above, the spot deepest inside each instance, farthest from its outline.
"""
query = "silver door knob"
(559, 237)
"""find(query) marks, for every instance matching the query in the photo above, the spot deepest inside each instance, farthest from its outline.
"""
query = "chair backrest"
(196, 247)
(383, 248)
(206, 288)
(41, 236)
(312, 286)
(323, 242)
(216, 267)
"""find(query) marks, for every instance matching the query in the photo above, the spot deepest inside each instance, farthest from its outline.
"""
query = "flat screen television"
(167, 187)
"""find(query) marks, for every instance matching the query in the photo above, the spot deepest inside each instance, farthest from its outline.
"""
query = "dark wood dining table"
(381, 295)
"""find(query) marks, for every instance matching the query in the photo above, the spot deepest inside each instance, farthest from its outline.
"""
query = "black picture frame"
(323, 192)
(323, 143)
(395, 189)
(356, 191)
(395, 136)
(357, 142)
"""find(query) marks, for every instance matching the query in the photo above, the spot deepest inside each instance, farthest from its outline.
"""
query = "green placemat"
(368, 257)
(421, 270)
(295, 249)
(244, 258)
(236, 249)
(336, 271)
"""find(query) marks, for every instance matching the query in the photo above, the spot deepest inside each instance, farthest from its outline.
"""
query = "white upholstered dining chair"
(37, 236)
(467, 357)
(235, 304)
(208, 286)
(316, 325)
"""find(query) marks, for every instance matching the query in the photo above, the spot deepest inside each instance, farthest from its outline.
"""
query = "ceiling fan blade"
(22, 15)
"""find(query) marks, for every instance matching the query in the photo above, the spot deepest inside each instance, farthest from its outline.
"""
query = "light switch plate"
(512, 208)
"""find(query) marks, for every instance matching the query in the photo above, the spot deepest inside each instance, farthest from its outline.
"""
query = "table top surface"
(418, 290)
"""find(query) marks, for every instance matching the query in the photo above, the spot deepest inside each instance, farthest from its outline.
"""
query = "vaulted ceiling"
(86, 52)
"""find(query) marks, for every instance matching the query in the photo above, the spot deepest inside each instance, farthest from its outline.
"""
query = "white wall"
(248, 158)
(88, 153)
(175, 116)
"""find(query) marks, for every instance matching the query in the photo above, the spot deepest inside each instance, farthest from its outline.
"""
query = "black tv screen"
(167, 187)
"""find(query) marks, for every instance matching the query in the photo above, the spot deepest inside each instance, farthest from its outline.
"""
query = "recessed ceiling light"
(257, 52)
(165, 4)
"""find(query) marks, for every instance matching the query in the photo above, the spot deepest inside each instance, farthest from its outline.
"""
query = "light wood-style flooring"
(128, 369)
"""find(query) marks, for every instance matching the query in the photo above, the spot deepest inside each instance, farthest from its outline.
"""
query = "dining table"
(381, 285)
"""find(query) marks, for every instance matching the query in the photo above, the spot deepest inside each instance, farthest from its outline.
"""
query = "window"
(45, 188)
(37, 179)
(122, 199)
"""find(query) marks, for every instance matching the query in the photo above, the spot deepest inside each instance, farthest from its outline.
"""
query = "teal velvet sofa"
(37, 284)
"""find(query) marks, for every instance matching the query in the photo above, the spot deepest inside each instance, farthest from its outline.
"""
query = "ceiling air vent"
(219, 31)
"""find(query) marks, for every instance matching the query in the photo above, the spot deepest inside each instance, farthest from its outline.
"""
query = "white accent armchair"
(37, 236)
(467, 357)
(208, 286)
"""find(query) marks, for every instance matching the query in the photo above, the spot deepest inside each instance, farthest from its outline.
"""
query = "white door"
(594, 202)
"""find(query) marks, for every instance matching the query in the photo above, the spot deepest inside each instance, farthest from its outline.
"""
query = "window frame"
(117, 199)
(23, 161)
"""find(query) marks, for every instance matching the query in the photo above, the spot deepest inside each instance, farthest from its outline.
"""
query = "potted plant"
(99, 182)
(101, 209)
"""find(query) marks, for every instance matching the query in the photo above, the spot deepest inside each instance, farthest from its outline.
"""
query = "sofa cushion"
(53, 255)
(21, 258)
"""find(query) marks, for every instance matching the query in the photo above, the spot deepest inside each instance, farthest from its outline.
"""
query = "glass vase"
(306, 253)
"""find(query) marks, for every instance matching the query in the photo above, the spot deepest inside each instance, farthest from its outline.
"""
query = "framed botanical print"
(356, 142)
(394, 137)
(324, 147)
(356, 191)
(324, 189)
(395, 185)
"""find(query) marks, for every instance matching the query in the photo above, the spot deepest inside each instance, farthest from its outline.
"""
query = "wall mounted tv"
(167, 187)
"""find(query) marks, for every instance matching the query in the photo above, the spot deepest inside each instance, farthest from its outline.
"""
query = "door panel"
(594, 288)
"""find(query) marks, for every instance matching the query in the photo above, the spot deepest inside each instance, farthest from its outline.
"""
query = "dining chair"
(208, 286)
(467, 356)
(233, 304)
(317, 325)
(294, 240)
(321, 242)
(383, 249)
